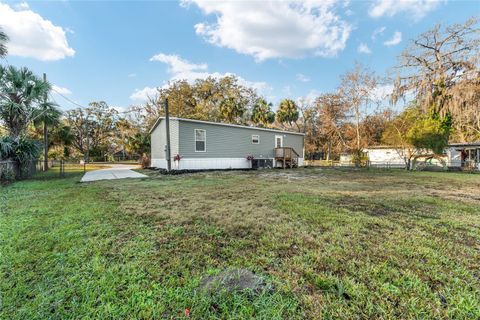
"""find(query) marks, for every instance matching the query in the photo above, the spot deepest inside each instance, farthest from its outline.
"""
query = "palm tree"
(287, 111)
(21, 94)
(230, 110)
(262, 113)
(3, 41)
(21, 151)
(47, 115)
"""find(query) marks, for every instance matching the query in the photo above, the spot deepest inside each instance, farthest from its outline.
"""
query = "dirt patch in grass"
(234, 280)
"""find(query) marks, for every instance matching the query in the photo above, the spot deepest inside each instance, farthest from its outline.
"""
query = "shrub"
(145, 161)
(21, 151)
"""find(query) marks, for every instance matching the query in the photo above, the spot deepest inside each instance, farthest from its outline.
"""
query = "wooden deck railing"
(286, 152)
(287, 155)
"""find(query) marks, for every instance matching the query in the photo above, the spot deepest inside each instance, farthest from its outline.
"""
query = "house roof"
(382, 147)
(223, 124)
(464, 144)
(450, 145)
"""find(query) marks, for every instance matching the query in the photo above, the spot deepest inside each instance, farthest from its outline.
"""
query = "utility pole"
(88, 141)
(167, 124)
(45, 130)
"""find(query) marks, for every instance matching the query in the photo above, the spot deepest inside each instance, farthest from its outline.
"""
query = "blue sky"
(119, 51)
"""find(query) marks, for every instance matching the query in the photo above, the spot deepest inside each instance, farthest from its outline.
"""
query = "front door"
(278, 141)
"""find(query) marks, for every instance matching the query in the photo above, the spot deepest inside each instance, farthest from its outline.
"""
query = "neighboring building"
(463, 155)
(384, 155)
(379, 156)
(466, 155)
(209, 145)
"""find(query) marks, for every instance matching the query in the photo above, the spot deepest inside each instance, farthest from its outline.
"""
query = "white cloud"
(303, 78)
(181, 69)
(378, 32)
(381, 92)
(177, 64)
(22, 6)
(416, 9)
(275, 29)
(396, 39)
(33, 36)
(309, 98)
(363, 48)
(61, 90)
(144, 94)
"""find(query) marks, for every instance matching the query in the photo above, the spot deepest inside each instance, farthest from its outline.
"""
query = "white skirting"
(300, 162)
(207, 163)
(158, 163)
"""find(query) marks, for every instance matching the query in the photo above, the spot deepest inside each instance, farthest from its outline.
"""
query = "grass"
(333, 243)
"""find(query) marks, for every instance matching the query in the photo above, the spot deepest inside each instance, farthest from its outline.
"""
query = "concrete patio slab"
(117, 171)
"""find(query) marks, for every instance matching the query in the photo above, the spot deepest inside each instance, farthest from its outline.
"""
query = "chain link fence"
(352, 164)
(12, 171)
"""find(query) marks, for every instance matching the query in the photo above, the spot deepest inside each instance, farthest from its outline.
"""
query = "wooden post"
(167, 124)
(87, 158)
(45, 132)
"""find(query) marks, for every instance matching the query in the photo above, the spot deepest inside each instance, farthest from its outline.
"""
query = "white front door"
(278, 141)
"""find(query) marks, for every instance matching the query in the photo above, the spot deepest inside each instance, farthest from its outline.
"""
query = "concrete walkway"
(116, 171)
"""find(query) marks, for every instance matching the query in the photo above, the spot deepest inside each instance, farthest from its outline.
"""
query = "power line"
(68, 99)
(79, 105)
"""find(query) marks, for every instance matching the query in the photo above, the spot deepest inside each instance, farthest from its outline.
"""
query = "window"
(255, 139)
(200, 140)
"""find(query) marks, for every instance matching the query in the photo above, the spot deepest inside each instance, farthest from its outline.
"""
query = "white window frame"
(275, 142)
(195, 139)
(258, 138)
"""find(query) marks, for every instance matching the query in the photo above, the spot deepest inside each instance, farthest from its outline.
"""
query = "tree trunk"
(328, 154)
(358, 132)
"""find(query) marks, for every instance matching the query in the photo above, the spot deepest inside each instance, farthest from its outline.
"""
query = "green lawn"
(334, 244)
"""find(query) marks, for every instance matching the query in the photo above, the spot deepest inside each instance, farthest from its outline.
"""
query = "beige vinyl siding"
(232, 142)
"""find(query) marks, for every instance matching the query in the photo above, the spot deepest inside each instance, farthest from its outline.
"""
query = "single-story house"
(200, 145)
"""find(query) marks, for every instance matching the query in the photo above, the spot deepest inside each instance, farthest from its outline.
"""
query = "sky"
(120, 51)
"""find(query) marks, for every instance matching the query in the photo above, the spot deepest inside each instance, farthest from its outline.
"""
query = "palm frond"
(3, 41)
(22, 96)
(6, 147)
